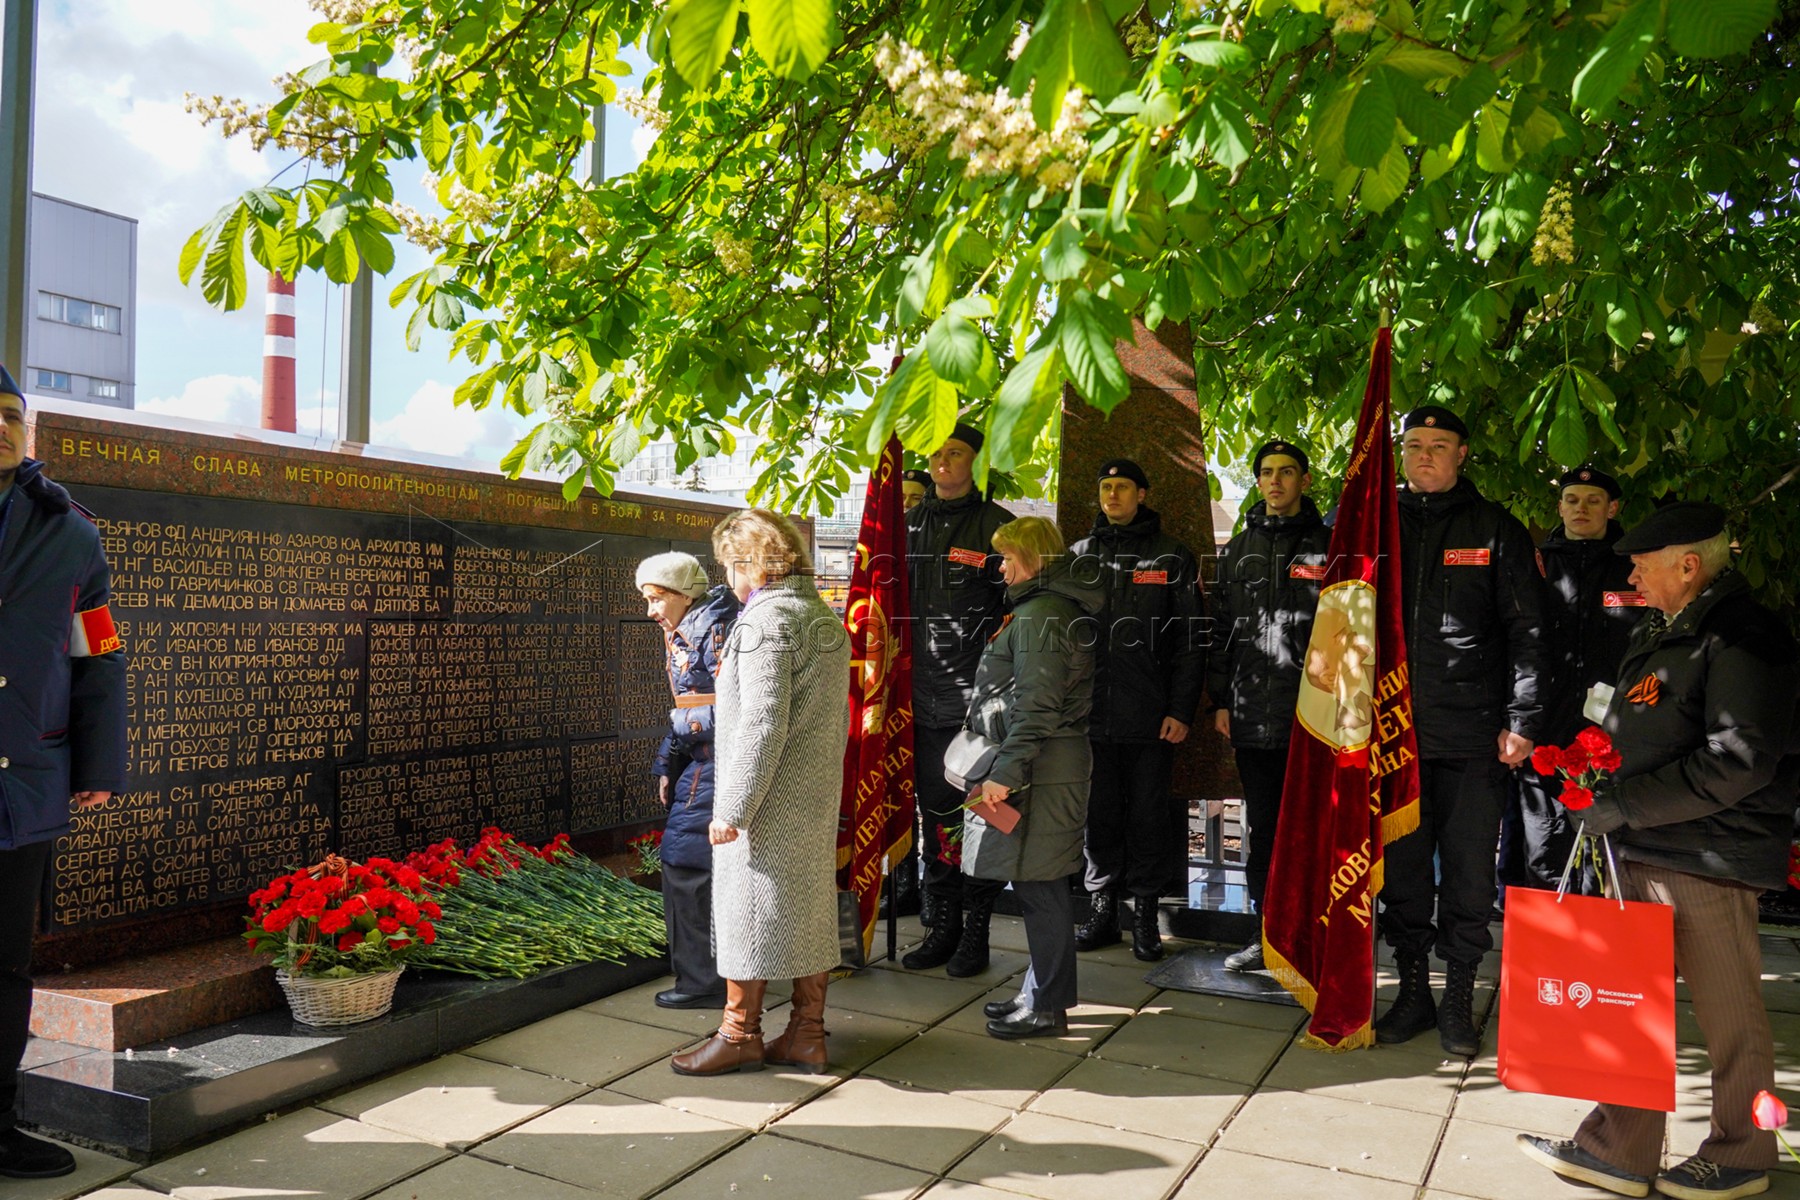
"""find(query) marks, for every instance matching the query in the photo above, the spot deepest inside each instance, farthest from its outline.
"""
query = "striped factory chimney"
(278, 355)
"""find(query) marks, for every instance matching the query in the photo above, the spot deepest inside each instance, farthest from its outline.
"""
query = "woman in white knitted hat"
(695, 617)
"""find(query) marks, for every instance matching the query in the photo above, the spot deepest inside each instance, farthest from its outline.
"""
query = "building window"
(87, 314)
(53, 381)
(103, 389)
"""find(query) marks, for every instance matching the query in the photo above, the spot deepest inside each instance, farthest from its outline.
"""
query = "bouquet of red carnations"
(342, 918)
(1583, 765)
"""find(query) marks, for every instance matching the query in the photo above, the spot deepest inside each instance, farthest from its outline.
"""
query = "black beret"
(8, 387)
(1288, 448)
(1430, 416)
(1679, 524)
(1124, 468)
(1590, 477)
(968, 435)
(914, 475)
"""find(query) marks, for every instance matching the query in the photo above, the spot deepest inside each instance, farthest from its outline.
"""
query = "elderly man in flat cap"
(1592, 610)
(958, 602)
(1149, 672)
(1702, 813)
(1473, 607)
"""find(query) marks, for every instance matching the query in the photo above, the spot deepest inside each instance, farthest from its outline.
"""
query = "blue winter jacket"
(62, 670)
(686, 754)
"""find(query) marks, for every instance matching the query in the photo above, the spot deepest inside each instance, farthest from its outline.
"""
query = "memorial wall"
(330, 653)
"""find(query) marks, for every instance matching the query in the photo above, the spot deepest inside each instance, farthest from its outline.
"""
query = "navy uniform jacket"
(62, 668)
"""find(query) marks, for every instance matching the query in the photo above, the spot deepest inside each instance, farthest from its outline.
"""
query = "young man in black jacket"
(1149, 671)
(62, 728)
(1592, 609)
(958, 602)
(1263, 605)
(1474, 618)
(1701, 810)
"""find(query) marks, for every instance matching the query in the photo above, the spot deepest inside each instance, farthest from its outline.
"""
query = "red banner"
(1353, 762)
(875, 816)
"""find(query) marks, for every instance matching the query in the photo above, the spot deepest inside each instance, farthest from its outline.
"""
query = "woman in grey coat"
(782, 718)
(1033, 691)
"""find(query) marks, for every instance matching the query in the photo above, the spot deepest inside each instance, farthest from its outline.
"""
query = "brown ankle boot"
(738, 1046)
(803, 1044)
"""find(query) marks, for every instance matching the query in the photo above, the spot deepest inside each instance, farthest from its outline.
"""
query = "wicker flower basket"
(339, 1001)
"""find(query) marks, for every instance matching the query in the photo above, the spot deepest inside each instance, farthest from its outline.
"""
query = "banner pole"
(893, 921)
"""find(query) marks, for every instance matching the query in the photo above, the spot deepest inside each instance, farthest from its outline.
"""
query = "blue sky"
(112, 132)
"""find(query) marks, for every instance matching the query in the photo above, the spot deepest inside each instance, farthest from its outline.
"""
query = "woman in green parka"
(1033, 691)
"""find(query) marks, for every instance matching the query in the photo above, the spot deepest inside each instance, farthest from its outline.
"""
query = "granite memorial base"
(152, 1098)
(137, 1001)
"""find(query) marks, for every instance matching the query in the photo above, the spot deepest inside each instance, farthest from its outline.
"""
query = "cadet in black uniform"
(1474, 617)
(958, 602)
(1149, 672)
(1263, 606)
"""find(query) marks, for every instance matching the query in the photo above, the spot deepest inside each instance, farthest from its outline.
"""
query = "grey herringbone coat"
(782, 718)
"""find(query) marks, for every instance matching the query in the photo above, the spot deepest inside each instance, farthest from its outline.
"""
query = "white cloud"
(231, 399)
(431, 422)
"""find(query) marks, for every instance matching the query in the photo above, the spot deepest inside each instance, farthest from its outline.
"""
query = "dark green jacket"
(1711, 747)
(1033, 693)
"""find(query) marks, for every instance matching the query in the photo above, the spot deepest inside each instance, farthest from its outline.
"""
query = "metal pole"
(18, 73)
(353, 358)
(597, 147)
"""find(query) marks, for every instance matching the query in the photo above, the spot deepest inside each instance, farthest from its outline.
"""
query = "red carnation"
(388, 925)
(280, 919)
(426, 932)
(350, 941)
(335, 921)
(1546, 759)
(1593, 739)
(1576, 798)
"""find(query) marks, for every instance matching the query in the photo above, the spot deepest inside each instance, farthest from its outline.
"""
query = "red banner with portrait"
(875, 817)
(1353, 766)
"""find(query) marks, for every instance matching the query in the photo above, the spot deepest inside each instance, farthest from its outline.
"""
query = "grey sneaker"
(1572, 1162)
(1702, 1179)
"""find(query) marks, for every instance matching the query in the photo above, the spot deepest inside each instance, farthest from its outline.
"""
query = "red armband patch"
(1149, 577)
(1623, 600)
(968, 558)
(1306, 571)
(1467, 558)
(93, 633)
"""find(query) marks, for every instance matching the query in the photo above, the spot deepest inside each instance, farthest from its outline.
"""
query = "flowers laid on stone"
(341, 918)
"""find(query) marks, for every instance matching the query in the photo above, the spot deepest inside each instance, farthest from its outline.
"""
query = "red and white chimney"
(278, 355)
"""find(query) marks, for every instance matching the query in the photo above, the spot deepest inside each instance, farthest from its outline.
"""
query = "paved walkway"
(1153, 1094)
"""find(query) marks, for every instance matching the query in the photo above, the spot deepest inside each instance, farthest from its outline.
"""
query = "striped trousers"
(1718, 955)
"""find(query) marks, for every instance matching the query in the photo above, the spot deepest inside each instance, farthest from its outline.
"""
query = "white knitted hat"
(675, 571)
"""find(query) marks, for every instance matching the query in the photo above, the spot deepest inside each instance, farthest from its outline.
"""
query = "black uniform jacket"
(1592, 612)
(1704, 717)
(958, 600)
(1150, 652)
(1262, 606)
(1474, 610)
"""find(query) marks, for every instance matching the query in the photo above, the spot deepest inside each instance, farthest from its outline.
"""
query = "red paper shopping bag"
(1587, 999)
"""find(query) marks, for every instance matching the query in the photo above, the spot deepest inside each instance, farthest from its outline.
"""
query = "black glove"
(1604, 816)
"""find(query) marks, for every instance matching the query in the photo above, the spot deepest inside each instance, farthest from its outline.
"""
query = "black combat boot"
(1146, 938)
(1414, 1011)
(1101, 927)
(971, 957)
(941, 942)
(1456, 1022)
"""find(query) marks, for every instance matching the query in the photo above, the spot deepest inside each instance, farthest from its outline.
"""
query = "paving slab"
(956, 1189)
(613, 1145)
(1485, 1099)
(639, 1004)
(1171, 1043)
(1415, 1075)
(1035, 1154)
(463, 1178)
(853, 1040)
(1228, 1173)
(124, 1191)
(454, 1101)
(1188, 1108)
(879, 1118)
(1089, 1024)
(906, 995)
(92, 1170)
(1112, 984)
(1363, 1139)
(310, 1153)
(778, 1168)
(747, 1099)
(1482, 1160)
(583, 1046)
(976, 1067)
(1227, 1010)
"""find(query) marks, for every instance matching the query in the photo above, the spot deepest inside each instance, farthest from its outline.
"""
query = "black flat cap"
(1590, 477)
(1279, 447)
(1679, 524)
(1430, 416)
(1124, 468)
(968, 435)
